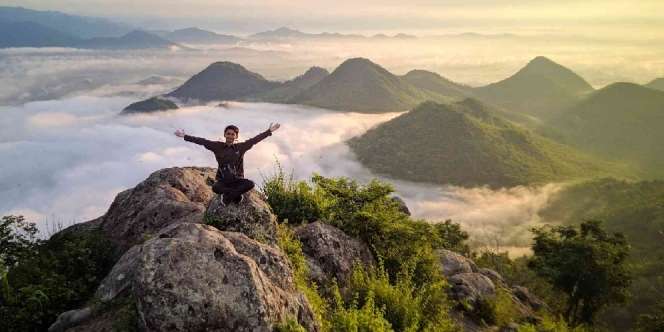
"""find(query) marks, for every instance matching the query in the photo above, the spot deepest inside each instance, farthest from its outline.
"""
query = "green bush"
(368, 318)
(408, 292)
(62, 274)
(406, 306)
(290, 200)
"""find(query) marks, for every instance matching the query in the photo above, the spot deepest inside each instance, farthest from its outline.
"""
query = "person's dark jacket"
(232, 154)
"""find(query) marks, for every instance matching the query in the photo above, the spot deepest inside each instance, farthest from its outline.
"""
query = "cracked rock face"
(452, 263)
(193, 277)
(252, 217)
(330, 253)
(168, 196)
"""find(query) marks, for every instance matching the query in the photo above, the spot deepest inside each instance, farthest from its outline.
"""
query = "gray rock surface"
(330, 253)
(452, 263)
(402, 204)
(193, 277)
(493, 275)
(471, 287)
(252, 217)
(70, 318)
(527, 298)
(168, 196)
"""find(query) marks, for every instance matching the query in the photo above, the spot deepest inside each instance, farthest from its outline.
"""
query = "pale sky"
(643, 17)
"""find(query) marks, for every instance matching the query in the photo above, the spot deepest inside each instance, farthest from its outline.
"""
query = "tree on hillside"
(586, 263)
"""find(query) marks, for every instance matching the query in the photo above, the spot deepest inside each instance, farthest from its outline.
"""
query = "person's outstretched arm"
(252, 141)
(197, 140)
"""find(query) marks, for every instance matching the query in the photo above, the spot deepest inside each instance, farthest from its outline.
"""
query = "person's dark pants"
(233, 189)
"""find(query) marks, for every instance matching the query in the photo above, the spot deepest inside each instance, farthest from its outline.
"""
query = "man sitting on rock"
(230, 174)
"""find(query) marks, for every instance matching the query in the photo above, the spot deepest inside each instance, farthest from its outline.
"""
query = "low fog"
(65, 160)
(66, 153)
(31, 74)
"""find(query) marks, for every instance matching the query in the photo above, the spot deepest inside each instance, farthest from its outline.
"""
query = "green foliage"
(290, 325)
(635, 209)
(467, 143)
(406, 306)
(586, 263)
(290, 200)
(61, 274)
(408, 292)
(517, 272)
(18, 240)
(549, 324)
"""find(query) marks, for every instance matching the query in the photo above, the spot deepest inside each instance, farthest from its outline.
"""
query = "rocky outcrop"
(452, 263)
(330, 253)
(177, 274)
(168, 196)
(526, 297)
(471, 287)
(150, 105)
(402, 204)
(193, 277)
(252, 217)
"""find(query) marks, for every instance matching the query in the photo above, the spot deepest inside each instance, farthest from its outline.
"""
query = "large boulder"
(168, 196)
(252, 217)
(527, 298)
(452, 263)
(471, 287)
(193, 277)
(330, 253)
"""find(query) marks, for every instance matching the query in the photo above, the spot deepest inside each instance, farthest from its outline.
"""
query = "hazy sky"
(643, 17)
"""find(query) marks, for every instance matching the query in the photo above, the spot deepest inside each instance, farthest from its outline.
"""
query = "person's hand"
(274, 126)
(179, 133)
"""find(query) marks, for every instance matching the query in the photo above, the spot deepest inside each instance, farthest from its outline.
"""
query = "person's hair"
(233, 128)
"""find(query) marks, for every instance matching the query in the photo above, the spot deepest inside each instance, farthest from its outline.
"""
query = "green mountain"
(223, 81)
(657, 84)
(436, 84)
(466, 143)
(622, 121)
(634, 209)
(362, 86)
(290, 89)
(540, 88)
(150, 105)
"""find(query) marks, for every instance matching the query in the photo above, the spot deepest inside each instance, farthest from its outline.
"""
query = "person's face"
(230, 136)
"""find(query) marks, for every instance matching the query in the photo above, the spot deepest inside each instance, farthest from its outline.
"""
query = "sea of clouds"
(66, 152)
(65, 160)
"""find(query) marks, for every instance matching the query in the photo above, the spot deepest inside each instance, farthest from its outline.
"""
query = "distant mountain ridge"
(75, 26)
(540, 88)
(200, 36)
(222, 81)
(657, 84)
(466, 143)
(357, 85)
(31, 34)
(621, 121)
(362, 86)
(290, 33)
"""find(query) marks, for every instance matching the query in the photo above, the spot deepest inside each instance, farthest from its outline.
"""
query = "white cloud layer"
(65, 160)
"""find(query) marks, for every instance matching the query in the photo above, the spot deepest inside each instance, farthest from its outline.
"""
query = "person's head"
(231, 133)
